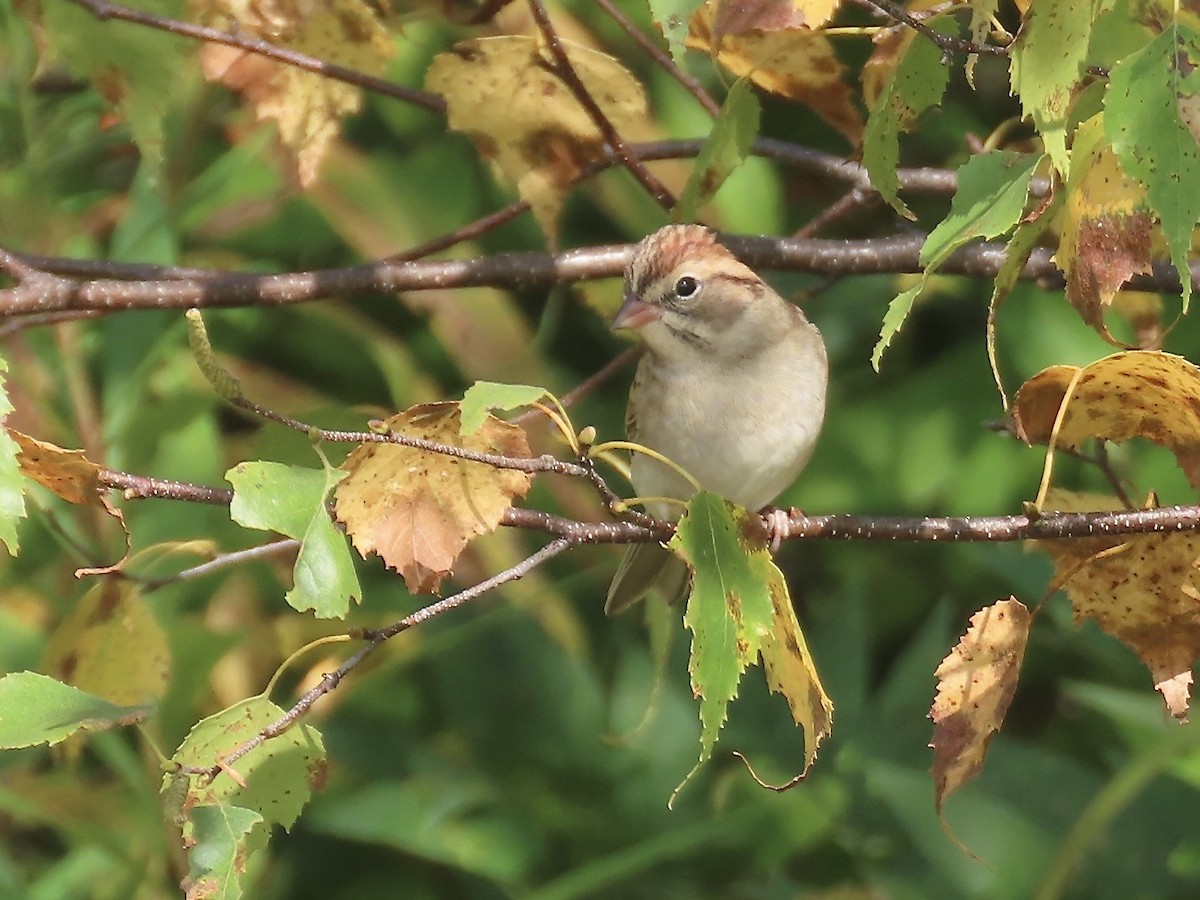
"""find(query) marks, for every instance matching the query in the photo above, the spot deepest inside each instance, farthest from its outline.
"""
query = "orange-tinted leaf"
(1140, 393)
(1143, 590)
(797, 63)
(1106, 227)
(67, 473)
(418, 509)
(525, 121)
(306, 107)
(976, 683)
(740, 16)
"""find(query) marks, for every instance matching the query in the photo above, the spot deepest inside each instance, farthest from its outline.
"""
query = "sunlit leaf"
(976, 683)
(37, 709)
(418, 509)
(1140, 393)
(67, 473)
(484, 396)
(1048, 56)
(291, 500)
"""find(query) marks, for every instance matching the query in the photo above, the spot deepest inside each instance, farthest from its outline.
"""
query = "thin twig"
(949, 45)
(589, 384)
(104, 11)
(374, 638)
(564, 69)
(222, 561)
(664, 60)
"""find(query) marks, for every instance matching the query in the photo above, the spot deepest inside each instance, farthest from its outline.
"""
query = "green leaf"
(275, 497)
(37, 709)
(918, 83)
(279, 774)
(12, 484)
(1151, 140)
(980, 27)
(215, 837)
(992, 191)
(291, 501)
(729, 611)
(726, 149)
(324, 579)
(484, 396)
(1048, 56)
(672, 17)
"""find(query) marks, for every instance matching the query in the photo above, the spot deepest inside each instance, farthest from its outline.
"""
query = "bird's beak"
(634, 313)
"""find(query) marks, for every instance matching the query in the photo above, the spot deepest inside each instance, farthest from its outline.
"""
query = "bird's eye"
(686, 287)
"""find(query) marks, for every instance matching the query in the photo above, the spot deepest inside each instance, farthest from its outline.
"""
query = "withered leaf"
(1139, 393)
(797, 63)
(67, 473)
(976, 683)
(418, 509)
(524, 120)
(1144, 590)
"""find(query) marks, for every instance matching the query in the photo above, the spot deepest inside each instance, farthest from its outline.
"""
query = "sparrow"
(731, 386)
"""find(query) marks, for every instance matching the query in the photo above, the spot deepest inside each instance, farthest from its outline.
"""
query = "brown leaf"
(740, 16)
(306, 107)
(418, 509)
(976, 683)
(1143, 590)
(1139, 393)
(1106, 227)
(796, 63)
(67, 473)
(503, 92)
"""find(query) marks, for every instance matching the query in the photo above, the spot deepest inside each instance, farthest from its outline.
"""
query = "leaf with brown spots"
(418, 509)
(1106, 227)
(307, 107)
(976, 683)
(741, 16)
(111, 646)
(524, 120)
(797, 63)
(1143, 590)
(1139, 393)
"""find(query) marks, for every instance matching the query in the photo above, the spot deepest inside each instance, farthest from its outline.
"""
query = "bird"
(731, 386)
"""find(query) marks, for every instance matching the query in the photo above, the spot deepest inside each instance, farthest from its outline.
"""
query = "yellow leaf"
(524, 119)
(306, 107)
(1106, 226)
(976, 683)
(1140, 393)
(67, 473)
(790, 670)
(1143, 590)
(797, 63)
(740, 16)
(111, 646)
(418, 509)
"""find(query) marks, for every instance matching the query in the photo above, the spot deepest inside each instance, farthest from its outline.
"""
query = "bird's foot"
(777, 526)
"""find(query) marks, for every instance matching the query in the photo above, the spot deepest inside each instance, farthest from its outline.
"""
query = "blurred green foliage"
(526, 746)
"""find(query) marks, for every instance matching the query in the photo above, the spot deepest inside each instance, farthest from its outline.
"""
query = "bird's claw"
(777, 526)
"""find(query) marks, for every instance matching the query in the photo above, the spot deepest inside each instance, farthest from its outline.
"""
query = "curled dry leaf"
(524, 120)
(306, 107)
(976, 683)
(1143, 590)
(794, 62)
(418, 509)
(1106, 227)
(1140, 393)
